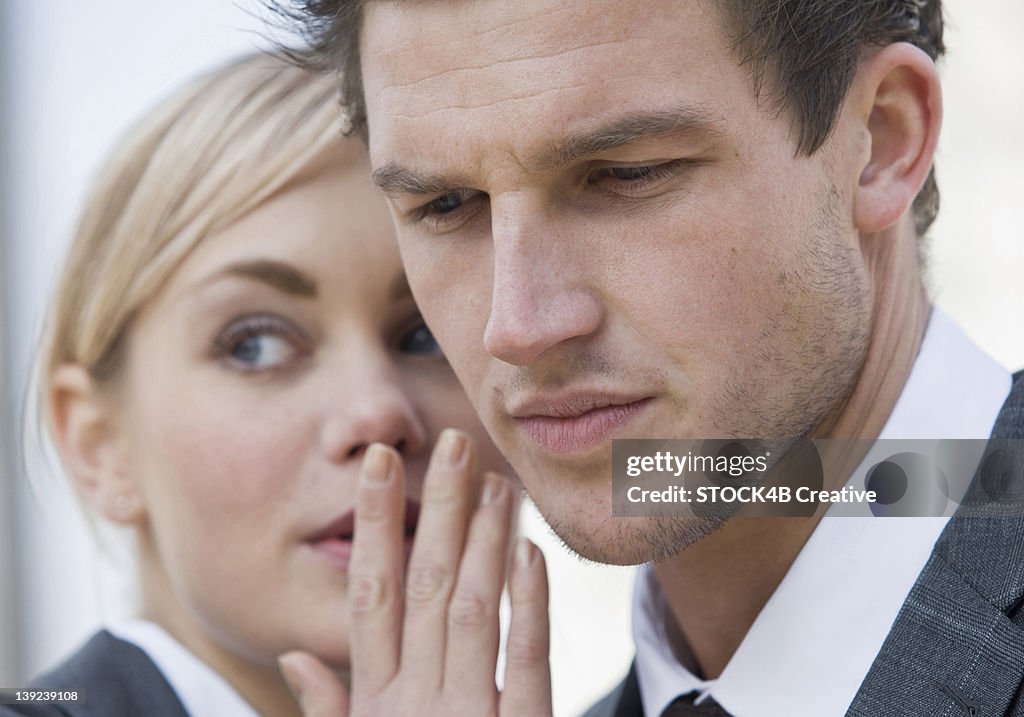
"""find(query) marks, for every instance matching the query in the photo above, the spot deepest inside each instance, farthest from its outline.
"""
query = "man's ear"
(899, 99)
(85, 433)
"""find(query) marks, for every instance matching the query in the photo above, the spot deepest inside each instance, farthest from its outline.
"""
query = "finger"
(473, 630)
(449, 494)
(375, 571)
(315, 687)
(527, 669)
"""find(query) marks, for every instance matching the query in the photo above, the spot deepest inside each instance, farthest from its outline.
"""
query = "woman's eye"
(420, 341)
(259, 344)
(263, 351)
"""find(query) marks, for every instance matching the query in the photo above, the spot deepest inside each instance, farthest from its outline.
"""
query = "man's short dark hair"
(802, 55)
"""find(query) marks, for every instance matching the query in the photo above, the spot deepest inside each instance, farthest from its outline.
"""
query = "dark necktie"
(684, 707)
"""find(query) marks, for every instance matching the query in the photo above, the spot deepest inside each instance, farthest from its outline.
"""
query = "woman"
(231, 336)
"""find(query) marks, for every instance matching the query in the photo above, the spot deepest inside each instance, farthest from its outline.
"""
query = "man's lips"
(334, 540)
(577, 422)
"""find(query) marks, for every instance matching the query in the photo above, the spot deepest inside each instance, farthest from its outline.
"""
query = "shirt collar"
(202, 691)
(831, 613)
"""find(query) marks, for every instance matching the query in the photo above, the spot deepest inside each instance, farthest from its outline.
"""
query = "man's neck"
(716, 588)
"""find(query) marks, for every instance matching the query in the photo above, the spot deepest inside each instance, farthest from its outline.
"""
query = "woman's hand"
(424, 641)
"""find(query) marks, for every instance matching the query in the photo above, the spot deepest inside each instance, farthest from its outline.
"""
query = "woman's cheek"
(232, 466)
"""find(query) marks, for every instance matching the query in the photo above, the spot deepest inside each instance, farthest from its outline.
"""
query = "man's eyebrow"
(628, 129)
(283, 277)
(393, 178)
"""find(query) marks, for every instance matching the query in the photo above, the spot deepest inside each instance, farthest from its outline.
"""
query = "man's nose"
(541, 296)
(374, 408)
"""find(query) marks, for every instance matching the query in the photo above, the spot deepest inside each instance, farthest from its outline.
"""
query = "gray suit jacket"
(116, 679)
(957, 646)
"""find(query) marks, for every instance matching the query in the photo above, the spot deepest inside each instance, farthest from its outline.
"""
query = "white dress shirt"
(812, 645)
(202, 691)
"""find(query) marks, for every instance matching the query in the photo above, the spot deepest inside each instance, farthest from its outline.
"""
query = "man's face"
(611, 237)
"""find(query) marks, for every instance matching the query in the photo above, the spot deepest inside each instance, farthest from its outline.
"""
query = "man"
(695, 219)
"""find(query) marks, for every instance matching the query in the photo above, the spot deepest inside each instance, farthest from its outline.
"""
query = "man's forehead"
(415, 48)
(535, 68)
(403, 28)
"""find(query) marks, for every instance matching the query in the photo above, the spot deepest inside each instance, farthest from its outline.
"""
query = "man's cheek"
(463, 346)
(436, 276)
(456, 306)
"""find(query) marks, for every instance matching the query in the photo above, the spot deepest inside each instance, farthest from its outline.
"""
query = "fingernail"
(453, 445)
(291, 675)
(524, 553)
(377, 464)
(494, 489)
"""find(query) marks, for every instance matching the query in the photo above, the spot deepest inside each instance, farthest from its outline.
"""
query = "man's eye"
(446, 205)
(638, 177)
(630, 174)
(419, 340)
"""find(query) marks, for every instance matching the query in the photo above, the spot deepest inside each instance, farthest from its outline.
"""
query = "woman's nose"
(377, 410)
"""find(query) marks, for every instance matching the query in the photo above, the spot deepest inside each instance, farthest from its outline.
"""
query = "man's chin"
(633, 541)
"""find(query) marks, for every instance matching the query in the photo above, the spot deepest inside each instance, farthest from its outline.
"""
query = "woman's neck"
(258, 682)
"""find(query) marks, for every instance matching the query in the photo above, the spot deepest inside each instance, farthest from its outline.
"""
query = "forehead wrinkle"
(498, 64)
(485, 105)
(498, 20)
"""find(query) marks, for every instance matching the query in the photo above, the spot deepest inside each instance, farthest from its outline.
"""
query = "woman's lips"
(334, 542)
(569, 434)
(338, 551)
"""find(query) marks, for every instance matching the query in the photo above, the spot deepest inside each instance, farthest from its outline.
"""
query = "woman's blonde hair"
(215, 150)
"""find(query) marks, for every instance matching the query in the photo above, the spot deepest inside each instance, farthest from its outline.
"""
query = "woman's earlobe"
(86, 435)
(121, 507)
(902, 106)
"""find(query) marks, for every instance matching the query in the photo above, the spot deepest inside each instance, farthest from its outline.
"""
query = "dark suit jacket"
(116, 679)
(957, 646)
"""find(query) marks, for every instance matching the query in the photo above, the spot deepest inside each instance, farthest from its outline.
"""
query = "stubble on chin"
(633, 541)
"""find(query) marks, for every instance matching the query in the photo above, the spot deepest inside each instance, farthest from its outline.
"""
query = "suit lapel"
(117, 679)
(957, 646)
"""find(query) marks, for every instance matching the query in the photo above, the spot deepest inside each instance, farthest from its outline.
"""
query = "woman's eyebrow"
(281, 276)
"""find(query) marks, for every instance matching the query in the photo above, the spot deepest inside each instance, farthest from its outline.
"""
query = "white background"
(75, 74)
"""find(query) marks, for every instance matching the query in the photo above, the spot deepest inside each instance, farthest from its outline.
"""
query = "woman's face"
(255, 379)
